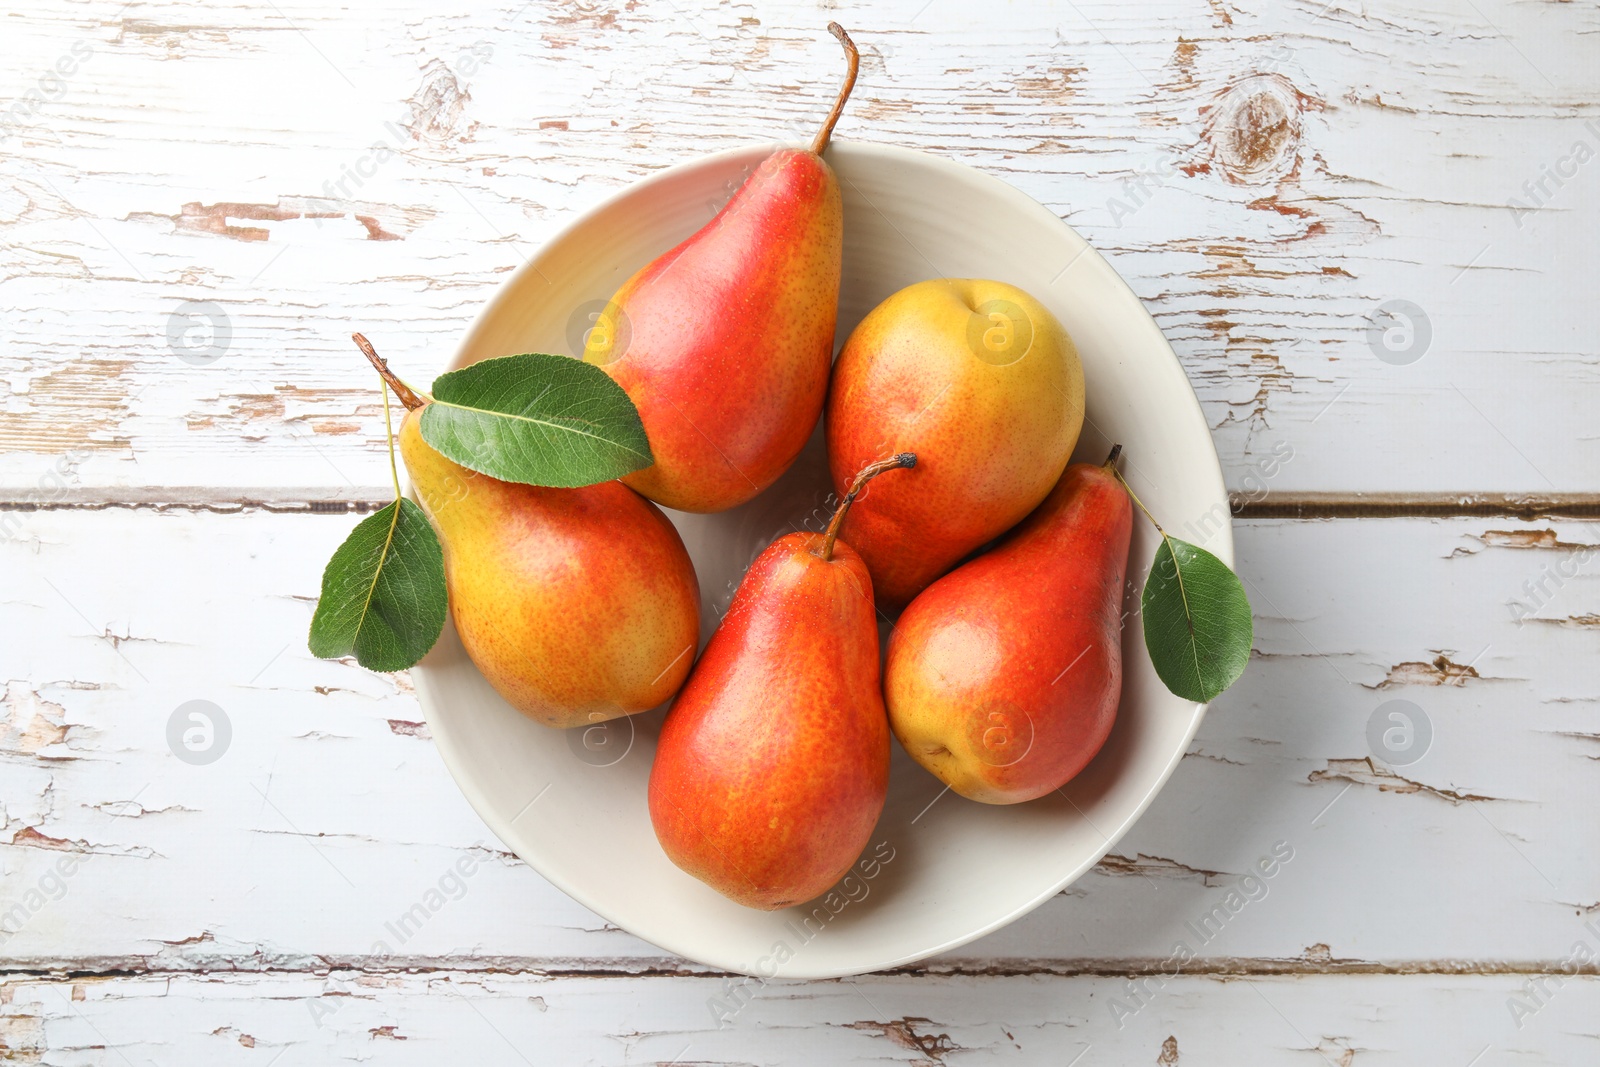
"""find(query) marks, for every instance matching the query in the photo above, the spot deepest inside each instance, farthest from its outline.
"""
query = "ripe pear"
(773, 764)
(984, 384)
(1003, 677)
(577, 605)
(724, 342)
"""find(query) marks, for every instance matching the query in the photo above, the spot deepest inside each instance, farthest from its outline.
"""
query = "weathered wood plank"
(446, 1017)
(329, 818)
(1266, 176)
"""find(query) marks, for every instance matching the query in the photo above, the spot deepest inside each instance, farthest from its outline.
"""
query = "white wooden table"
(1417, 504)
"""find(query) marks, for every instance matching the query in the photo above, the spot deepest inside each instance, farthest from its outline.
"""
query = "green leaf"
(383, 592)
(544, 420)
(1197, 622)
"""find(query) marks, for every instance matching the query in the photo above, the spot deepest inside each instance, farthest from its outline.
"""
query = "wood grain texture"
(1264, 175)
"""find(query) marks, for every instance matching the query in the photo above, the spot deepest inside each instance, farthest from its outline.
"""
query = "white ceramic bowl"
(572, 803)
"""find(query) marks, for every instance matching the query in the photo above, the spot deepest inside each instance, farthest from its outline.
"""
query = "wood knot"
(1254, 130)
(436, 113)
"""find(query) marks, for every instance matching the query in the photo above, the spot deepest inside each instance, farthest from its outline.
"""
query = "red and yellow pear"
(984, 384)
(1003, 678)
(724, 342)
(773, 764)
(577, 605)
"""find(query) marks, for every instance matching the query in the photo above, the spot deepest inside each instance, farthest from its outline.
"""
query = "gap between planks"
(1224, 967)
(1281, 505)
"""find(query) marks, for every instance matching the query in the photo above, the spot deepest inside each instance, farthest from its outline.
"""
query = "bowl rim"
(669, 939)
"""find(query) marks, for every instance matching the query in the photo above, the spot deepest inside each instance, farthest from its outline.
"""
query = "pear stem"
(1111, 465)
(871, 471)
(410, 399)
(854, 58)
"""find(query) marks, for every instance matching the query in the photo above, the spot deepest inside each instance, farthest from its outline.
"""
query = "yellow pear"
(982, 382)
(577, 605)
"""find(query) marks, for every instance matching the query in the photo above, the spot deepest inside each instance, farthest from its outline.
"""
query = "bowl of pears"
(784, 609)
